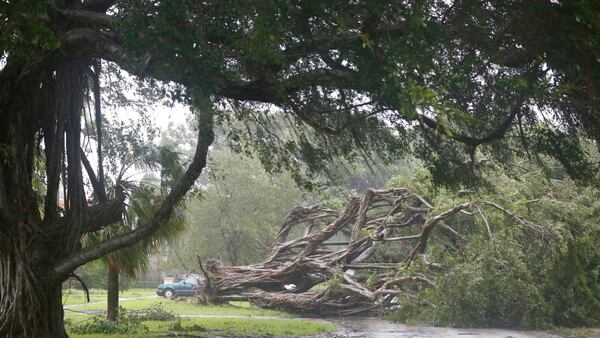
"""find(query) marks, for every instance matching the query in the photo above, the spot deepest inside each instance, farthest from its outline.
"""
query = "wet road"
(377, 328)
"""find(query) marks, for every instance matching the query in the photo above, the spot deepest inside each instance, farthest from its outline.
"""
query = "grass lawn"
(185, 307)
(578, 332)
(210, 327)
(75, 296)
(205, 327)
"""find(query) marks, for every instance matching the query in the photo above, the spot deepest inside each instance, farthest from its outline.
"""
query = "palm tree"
(144, 197)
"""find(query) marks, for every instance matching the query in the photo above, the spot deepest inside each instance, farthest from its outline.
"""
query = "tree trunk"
(31, 242)
(30, 295)
(112, 309)
(30, 302)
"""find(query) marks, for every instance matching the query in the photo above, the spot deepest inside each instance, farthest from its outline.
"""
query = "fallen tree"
(351, 78)
(353, 282)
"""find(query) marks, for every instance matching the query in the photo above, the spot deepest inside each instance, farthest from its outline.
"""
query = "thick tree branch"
(95, 43)
(322, 43)
(541, 230)
(277, 92)
(87, 41)
(93, 18)
(98, 5)
(205, 138)
(96, 185)
(495, 134)
(428, 226)
(98, 119)
(104, 214)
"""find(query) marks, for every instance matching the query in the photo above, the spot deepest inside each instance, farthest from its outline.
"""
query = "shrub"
(128, 322)
(575, 284)
(516, 278)
(155, 312)
(102, 325)
(176, 326)
(493, 287)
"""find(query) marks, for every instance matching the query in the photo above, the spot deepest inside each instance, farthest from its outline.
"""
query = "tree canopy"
(366, 76)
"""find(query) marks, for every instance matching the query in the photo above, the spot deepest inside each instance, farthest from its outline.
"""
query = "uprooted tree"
(293, 266)
(449, 81)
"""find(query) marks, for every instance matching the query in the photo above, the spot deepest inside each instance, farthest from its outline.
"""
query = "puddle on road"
(378, 328)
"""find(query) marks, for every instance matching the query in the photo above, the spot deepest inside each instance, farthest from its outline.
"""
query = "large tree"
(447, 80)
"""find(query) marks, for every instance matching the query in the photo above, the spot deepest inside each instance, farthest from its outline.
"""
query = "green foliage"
(333, 198)
(23, 30)
(437, 86)
(131, 145)
(125, 325)
(335, 281)
(371, 281)
(387, 252)
(94, 275)
(492, 287)
(577, 304)
(130, 321)
(156, 311)
(514, 277)
(418, 180)
(238, 213)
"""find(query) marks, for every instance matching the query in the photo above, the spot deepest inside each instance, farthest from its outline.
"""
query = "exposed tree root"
(294, 266)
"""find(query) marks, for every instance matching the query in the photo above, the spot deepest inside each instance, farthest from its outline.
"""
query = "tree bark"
(112, 307)
(30, 244)
(30, 302)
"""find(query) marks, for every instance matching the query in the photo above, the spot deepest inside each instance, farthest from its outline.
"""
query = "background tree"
(235, 217)
(440, 79)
